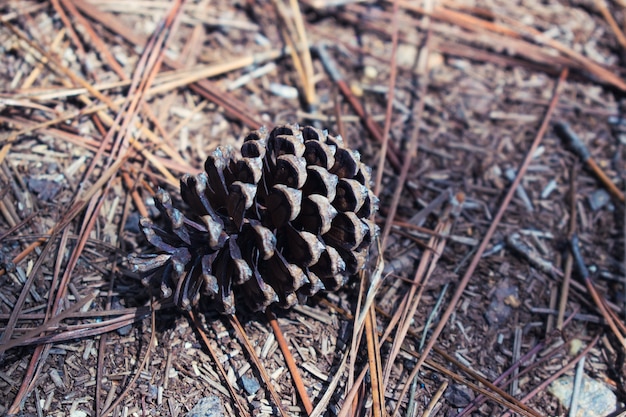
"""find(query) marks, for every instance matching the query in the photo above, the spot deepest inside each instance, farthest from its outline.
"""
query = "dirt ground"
(103, 102)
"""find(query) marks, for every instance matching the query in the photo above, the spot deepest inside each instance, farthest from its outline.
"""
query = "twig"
(233, 107)
(140, 368)
(569, 261)
(411, 151)
(578, 382)
(601, 5)
(375, 366)
(435, 399)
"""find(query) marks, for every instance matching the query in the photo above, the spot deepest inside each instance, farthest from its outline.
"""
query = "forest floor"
(487, 211)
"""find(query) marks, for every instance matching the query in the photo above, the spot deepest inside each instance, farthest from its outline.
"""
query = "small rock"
(78, 413)
(356, 89)
(406, 55)
(251, 385)
(458, 395)
(435, 60)
(132, 223)
(211, 406)
(45, 188)
(598, 199)
(595, 398)
(505, 298)
(370, 72)
(575, 346)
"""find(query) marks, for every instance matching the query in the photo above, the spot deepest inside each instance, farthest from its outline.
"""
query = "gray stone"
(598, 199)
(251, 385)
(595, 398)
(208, 407)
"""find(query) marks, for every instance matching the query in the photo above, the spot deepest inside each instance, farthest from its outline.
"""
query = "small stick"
(375, 363)
(393, 72)
(510, 175)
(569, 261)
(621, 38)
(435, 400)
(564, 131)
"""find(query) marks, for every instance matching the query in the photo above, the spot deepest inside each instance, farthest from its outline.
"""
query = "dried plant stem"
(205, 88)
(435, 399)
(54, 321)
(323, 402)
(521, 31)
(424, 270)
(140, 368)
(305, 51)
(370, 124)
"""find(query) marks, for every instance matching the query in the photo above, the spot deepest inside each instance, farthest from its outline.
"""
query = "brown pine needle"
(269, 385)
(393, 71)
(375, 366)
(290, 361)
(617, 31)
(140, 368)
(218, 363)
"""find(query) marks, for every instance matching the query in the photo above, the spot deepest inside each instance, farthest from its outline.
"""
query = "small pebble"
(598, 199)
(458, 395)
(575, 346)
(251, 385)
(356, 89)
(370, 72)
(45, 187)
(211, 406)
(595, 398)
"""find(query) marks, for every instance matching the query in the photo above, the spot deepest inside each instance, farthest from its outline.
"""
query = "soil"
(84, 144)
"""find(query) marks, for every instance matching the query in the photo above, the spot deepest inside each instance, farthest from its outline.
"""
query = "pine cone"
(286, 219)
